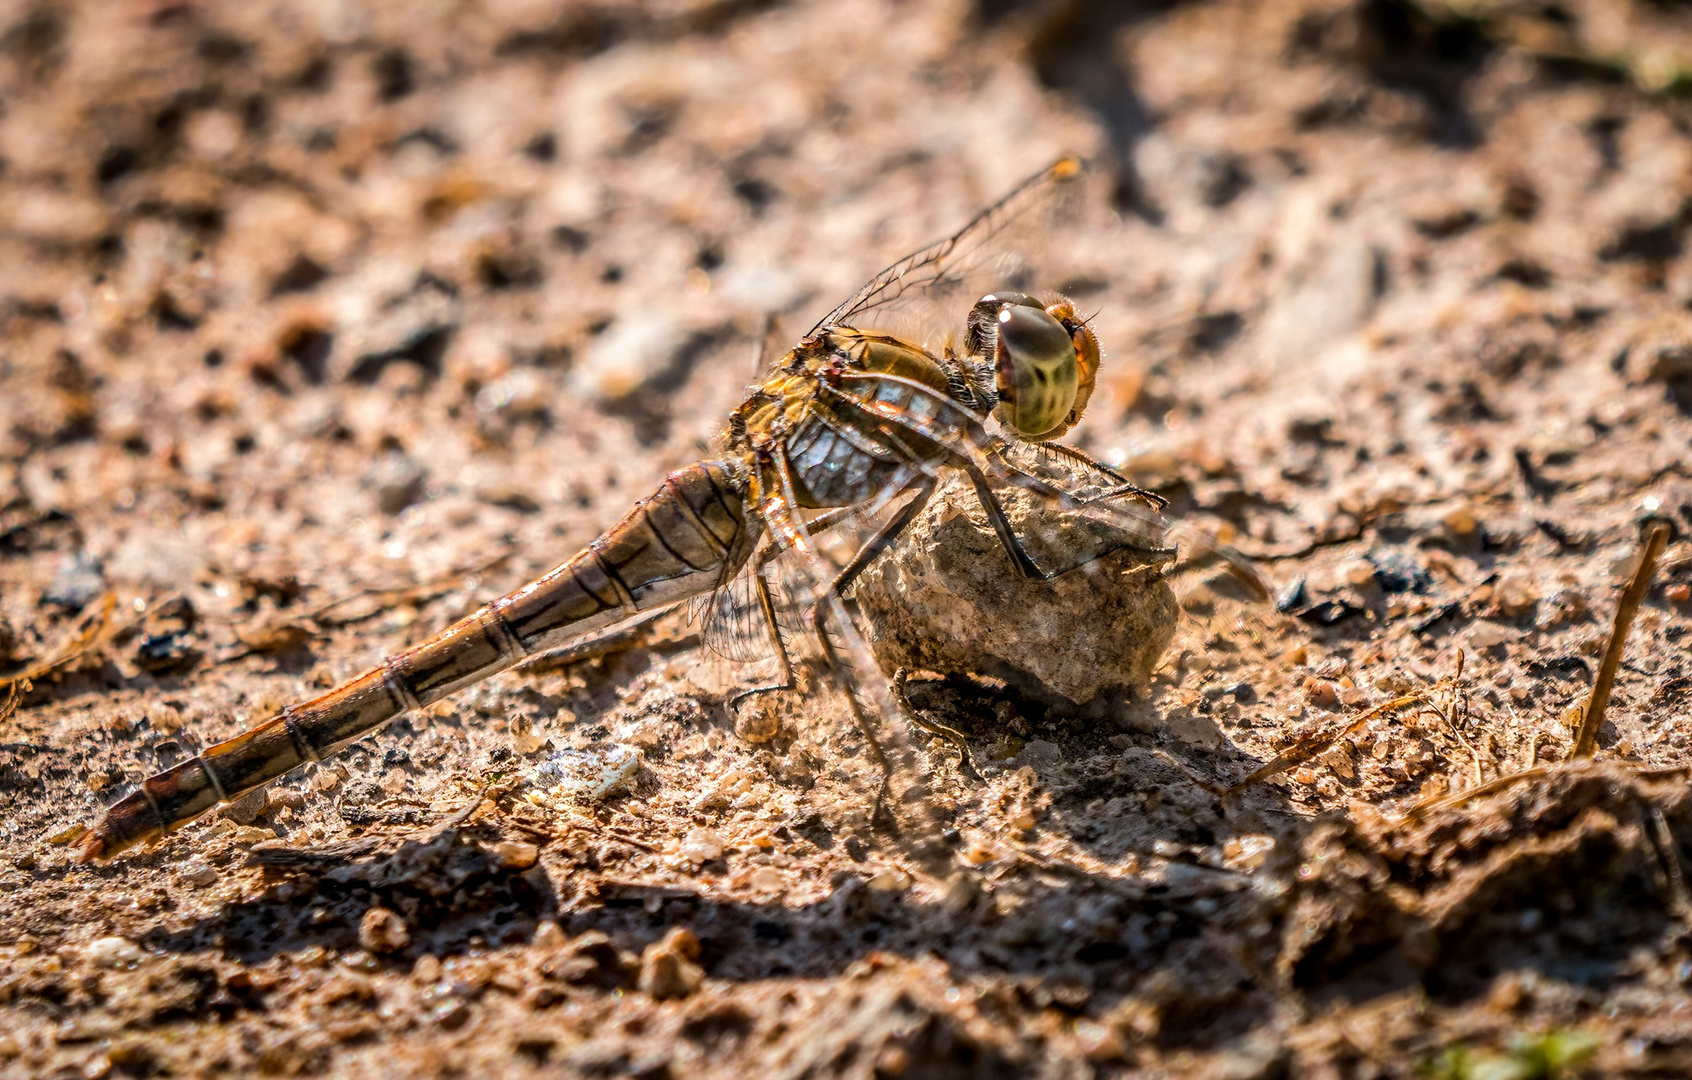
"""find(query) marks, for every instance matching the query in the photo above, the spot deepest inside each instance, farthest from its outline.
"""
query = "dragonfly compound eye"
(1035, 371)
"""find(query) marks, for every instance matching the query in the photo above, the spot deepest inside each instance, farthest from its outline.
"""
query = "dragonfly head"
(1044, 359)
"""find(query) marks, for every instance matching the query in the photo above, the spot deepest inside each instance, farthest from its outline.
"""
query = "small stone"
(1195, 730)
(1678, 594)
(515, 855)
(947, 599)
(450, 1015)
(1040, 753)
(198, 874)
(80, 579)
(1247, 851)
(757, 725)
(669, 968)
(249, 807)
(1515, 596)
(959, 893)
(1321, 693)
(1484, 634)
(701, 846)
(889, 881)
(1461, 521)
(626, 357)
(113, 952)
(586, 775)
(164, 718)
(383, 931)
(548, 936)
(767, 879)
(524, 738)
(589, 959)
(399, 481)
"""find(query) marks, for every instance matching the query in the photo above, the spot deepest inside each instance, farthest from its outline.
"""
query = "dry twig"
(84, 638)
(1310, 746)
(1655, 540)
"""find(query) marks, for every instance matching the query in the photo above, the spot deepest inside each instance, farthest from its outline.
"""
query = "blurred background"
(342, 261)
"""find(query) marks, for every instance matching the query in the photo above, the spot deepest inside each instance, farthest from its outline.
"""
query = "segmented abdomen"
(691, 534)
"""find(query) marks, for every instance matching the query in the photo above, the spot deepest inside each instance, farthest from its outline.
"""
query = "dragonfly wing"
(734, 622)
(934, 273)
(810, 576)
(735, 626)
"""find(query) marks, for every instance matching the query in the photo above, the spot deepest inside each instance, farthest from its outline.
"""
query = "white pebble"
(113, 952)
(701, 846)
(586, 775)
(1484, 635)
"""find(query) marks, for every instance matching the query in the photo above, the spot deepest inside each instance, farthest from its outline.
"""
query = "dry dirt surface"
(322, 323)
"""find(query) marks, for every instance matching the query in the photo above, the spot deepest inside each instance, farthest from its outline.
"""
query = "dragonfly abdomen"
(689, 536)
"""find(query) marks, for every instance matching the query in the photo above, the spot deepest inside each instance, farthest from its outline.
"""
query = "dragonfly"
(852, 423)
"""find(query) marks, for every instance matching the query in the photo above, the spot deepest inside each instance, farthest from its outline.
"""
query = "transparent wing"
(939, 271)
(882, 721)
(734, 623)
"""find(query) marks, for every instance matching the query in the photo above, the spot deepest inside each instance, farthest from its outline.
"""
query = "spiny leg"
(934, 727)
(1025, 565)
(833, 596)
(915, 817)
(1124, 486)
(843, 581)
(766, 608)
(1026, 568)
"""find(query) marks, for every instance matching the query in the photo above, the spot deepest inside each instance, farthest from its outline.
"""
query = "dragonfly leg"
(1124, 486)
(766, 606)
(843, 581)
(1026, 567)
(767, 610)
(933, 727)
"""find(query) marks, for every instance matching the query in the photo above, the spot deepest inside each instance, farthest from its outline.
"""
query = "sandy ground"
(320, 324)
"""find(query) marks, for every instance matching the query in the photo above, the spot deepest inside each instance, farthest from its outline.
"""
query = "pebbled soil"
(321, 324)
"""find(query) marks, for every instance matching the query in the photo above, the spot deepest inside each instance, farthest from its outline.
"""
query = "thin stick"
(90, 634)
(1631, 597)
(1312, 745)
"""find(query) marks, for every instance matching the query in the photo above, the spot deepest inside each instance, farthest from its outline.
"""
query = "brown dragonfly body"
(846, 418)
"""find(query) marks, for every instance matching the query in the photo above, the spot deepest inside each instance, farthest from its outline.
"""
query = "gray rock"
(80, 579)
(947, 599)
(399, 481)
